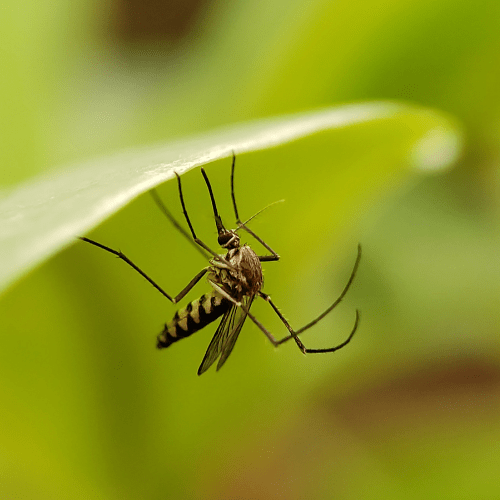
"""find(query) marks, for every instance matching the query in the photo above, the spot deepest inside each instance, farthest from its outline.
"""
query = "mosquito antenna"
(241, 224)
(174, 222)
(218, 221)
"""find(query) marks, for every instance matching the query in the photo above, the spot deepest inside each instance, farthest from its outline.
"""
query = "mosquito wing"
(240, 316)
(226, 335)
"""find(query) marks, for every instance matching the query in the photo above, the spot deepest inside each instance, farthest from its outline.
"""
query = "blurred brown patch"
(391, 424)
(457, 390)
(154, 20)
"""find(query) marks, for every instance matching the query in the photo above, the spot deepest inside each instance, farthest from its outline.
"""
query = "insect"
(236, 281)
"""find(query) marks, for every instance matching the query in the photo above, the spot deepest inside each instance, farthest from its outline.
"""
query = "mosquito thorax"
(229, 240)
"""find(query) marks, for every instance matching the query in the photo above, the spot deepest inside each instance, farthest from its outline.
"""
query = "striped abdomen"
(194, 317)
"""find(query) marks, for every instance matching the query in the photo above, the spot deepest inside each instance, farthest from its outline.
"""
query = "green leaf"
(40, 217)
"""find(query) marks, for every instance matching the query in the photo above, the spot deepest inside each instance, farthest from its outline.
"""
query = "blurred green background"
(89, 409)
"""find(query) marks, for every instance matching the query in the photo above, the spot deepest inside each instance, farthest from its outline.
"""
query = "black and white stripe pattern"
(195, 316)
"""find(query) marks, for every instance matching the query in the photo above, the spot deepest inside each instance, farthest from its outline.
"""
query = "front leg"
(125, 259)
(262, 258)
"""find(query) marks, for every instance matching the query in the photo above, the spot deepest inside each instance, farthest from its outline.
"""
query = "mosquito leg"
(174, 222)
(264, 258)
(321, 316)
(276, 342)
(232, 189)
(190, 285)
(268, 334)
(218, 220)
(123, 257)
(342, 295)
(294, 334)
(225, 294)
(343, 344)
(184, 211)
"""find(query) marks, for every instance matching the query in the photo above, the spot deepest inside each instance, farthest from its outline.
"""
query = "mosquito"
(236, 280)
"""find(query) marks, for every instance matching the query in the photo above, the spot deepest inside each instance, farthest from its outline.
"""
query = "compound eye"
(224, 238)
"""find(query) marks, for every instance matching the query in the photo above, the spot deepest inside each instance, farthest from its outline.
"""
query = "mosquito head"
(228, 239)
